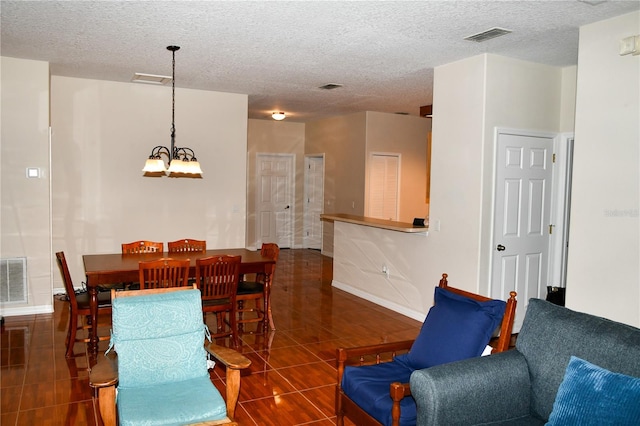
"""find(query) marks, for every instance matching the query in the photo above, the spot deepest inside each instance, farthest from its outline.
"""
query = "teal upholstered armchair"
(162, 376)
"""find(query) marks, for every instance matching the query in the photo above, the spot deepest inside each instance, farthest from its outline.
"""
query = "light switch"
(630, 45)
(33, 172)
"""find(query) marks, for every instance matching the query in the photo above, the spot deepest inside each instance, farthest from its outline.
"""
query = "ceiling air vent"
(150, 78)
(488, 34)
(330, 86)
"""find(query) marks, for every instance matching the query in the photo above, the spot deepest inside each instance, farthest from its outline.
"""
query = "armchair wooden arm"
(366, 355)
(103, 378)
(234, 361)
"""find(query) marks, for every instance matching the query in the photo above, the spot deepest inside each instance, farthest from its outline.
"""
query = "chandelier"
(182, 160)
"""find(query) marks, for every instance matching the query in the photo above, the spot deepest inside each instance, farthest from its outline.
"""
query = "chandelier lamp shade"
(181, 160)
(278, 116)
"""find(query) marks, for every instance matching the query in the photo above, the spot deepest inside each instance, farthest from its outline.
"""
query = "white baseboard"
(418, 316)
(26, 310)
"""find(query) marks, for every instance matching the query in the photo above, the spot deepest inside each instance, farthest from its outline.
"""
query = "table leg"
(93, 307)
(268, 321)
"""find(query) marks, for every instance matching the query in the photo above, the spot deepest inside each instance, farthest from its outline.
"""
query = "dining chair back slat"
(142, 246)
(217, 278)
(163, 273)
(187, 245)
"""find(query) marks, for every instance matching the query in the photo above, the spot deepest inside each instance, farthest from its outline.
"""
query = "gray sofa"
(518, 387)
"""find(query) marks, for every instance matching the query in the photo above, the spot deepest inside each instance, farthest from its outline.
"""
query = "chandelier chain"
(173, 95)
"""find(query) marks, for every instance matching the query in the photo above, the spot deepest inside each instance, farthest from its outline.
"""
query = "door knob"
(500, 247)
(286, 207)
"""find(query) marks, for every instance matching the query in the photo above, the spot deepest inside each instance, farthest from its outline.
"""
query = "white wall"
(359, 256)
(343, 141)
(407, 136)
(275, 137)
(25, 226)
(603, 276)
(473, 97)
(519, 95)
(348, 141)
(102, 134)
(456, 171)
(568, 99)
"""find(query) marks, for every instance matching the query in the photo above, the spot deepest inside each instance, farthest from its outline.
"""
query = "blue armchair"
(162, 376)
(373, 386)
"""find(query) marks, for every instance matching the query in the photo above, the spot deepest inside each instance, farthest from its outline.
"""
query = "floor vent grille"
(13, 280)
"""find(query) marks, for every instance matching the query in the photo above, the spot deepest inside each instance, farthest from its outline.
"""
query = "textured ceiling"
(279, 52)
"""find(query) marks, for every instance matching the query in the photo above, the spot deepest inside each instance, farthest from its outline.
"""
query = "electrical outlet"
(385, 270)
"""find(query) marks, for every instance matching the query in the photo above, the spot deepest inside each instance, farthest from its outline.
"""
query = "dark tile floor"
(291, 380)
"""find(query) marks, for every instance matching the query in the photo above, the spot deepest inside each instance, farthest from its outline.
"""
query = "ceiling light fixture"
(182, 161)
(278, 116)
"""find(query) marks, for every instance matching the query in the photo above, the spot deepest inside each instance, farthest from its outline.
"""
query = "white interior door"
(522, 218)
(275, 199)
(560, 210)
(313, 201)
(384, 173)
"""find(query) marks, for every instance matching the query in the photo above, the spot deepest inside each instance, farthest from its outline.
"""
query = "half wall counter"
(382, 261)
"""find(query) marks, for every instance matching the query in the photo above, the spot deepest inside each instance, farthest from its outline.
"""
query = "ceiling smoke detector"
(330, 86)
(488, 34)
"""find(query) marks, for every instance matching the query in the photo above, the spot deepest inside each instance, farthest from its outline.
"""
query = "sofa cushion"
(456, 328)
(368, 386)
(551, 334)
(178, 403)
(592, 395)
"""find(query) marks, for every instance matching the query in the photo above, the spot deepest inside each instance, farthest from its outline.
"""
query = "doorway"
(275, 187)
(313, 201)
(522, 216)
(561, 209)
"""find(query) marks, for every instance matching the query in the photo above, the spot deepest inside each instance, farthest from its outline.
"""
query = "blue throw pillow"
(592, 395)
(456, 328)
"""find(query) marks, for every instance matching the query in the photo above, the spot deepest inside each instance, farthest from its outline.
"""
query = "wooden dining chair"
(142, 246)
(79, 307)
(254, 291)
(187, 245)
(163, 273)
(217, 278)
(139, 247)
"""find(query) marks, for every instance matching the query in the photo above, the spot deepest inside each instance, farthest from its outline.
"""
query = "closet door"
(384, 175)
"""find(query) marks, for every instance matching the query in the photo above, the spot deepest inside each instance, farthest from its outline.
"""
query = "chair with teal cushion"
(162, 375)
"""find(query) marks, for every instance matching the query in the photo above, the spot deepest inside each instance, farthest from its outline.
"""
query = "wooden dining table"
(104, 270)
